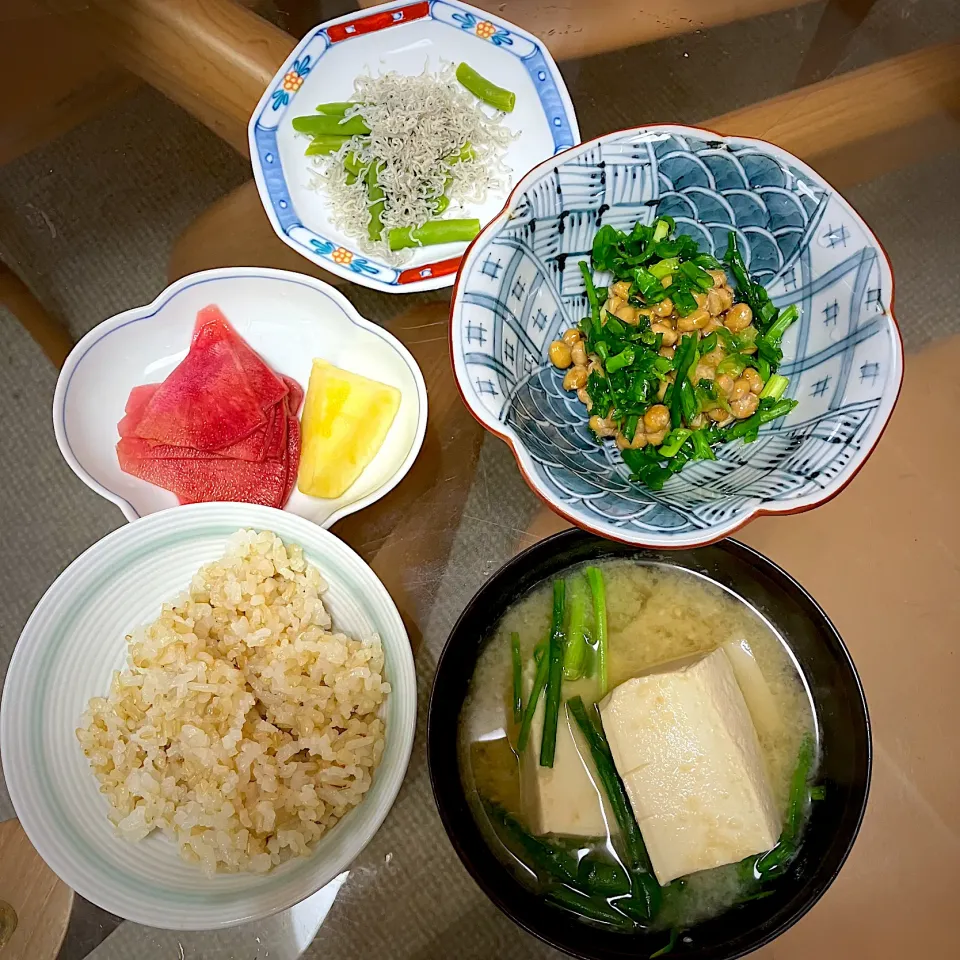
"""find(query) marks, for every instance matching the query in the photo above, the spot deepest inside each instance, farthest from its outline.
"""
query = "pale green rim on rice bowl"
(66, 654)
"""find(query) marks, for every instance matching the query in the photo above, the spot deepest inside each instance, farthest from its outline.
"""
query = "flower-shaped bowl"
(520, 286)
(289, 319)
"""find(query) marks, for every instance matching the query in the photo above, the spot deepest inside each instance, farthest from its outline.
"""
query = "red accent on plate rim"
(377, 21)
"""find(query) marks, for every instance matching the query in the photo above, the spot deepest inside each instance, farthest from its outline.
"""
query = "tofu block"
(685, 746)
(345, 421)
(754, 687)
(561, 799)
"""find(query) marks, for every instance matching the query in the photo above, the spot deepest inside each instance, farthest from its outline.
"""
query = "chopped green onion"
(661, 228)
(668, 947)
(673, 442)
(591, 293)
(744, 428)
(664, 268)
(434, 232)
(701, 447)
(593, 907)
(798, 788)
(621, 360)
(483, 89)
(539, 682)
(517, 677)
(774, 387)
(551, 712)
(733, 365)
(636, 852)
(576, 649)
(599, 593)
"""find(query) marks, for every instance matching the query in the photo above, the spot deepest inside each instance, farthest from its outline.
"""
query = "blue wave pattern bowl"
(520, 287)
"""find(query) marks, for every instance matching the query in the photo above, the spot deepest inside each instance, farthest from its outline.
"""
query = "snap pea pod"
(330, 125)
(375, 194)
(354, 167)
(486, 90)
(324, 144)
(433, 232)
(551, 712)
(466, 153)
(336, 109)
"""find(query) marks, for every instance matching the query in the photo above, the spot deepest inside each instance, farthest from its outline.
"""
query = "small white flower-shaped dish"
(289, 319)
(520, 287)
(68, 652)
(403, 37)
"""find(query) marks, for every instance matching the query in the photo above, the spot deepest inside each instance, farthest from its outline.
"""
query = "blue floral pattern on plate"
(520, 287)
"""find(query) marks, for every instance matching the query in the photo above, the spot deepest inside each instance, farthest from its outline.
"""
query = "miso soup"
(677, 785)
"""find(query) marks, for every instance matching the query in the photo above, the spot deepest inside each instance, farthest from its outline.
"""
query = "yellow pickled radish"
(345, 421)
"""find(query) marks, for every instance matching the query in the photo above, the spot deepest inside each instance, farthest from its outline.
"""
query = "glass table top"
(886, 573)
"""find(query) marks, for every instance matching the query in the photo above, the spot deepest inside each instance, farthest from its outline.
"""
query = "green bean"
(485, 90)
(375, 194)
(517, 677)
(576, 650)
(539, 682)
(336, 109)
(338, 126)
(433, 232)
(551, 711)
(599, 593)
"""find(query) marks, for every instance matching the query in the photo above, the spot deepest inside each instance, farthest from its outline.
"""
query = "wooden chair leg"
(50, 334)
(838, 22)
